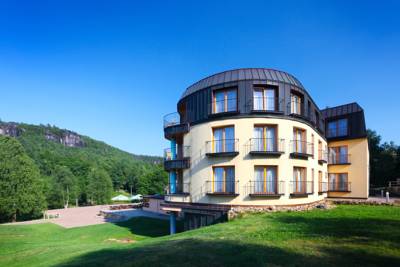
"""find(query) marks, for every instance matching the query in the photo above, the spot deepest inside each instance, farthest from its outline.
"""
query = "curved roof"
(243, 74)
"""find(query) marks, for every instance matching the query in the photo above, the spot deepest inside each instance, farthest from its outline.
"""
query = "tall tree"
(99, 186)
(21, 190)
(66, 185)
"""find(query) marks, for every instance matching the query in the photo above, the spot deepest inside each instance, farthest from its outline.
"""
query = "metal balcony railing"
(223, 106)
(301, 187)
(172, 119)
(272, 145)
(322, 155)
(322, 187)
(181, 153)
(337, 159)
(229, 187)
(178, 188)
(301, 147)
(266, 104)
(339, 186)
(223, 146)
(266, 188)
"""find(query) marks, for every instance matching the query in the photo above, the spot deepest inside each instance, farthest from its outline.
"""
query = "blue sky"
(112, 69)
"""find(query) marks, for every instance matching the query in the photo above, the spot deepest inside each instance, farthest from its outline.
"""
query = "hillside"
(66, 159)
(345, 236)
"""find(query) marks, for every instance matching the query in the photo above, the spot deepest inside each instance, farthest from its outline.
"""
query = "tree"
(65, 184)
(21, 189)
(99, 186)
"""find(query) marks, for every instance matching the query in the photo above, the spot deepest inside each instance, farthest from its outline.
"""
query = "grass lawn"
(345, 236)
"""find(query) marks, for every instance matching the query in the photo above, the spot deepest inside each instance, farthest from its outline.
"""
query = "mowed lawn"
(344, 236)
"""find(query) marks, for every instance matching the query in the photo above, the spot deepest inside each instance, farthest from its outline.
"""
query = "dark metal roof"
(341, 110)
(243, 74)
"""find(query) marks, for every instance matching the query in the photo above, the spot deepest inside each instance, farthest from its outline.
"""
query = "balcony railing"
(322, 156)
(267, 146)
(173, 125)
(322, 187)
(179, 161)
(223, 147)
(300, 148)
(224, 106)
(266, 188)
(300, 188)
(222, 188)
(295, 108)
(340, 186)
(339, 159)
(266, 104)
(178, 189)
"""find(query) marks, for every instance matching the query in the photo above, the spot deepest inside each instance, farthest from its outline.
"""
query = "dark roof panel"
(243, 74)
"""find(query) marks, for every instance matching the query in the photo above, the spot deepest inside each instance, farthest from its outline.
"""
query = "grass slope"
(345, 236)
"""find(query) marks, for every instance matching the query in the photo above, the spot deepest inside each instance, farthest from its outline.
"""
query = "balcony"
(301, 188)
(266, 188)
(179, 161)
(223, 107)
(173, 126)
(222, 148)
(322, 156)
(339, 159)
(301, 149)
(178, 189)
(339, 186)
(266, 105)
(268, 147)
(322, 187)
(222, 188)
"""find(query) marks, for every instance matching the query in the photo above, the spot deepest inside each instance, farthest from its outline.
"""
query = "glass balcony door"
(299, 144)
(224, 180)
(299, 185)
(223, 139)
(265, 138)
(265, 179)
(224, 100)
(295, 104)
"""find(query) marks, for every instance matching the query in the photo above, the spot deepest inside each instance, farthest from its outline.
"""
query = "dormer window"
(264, 99)
(296, 104)
(337, 128)
(224, 101)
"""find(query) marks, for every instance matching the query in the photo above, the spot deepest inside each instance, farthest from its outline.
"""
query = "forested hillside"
(77, 168)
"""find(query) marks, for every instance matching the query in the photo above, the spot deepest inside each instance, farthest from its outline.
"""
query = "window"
(224, 101)
(338, 182)
(320, 152)
(299, 180)
(338, 155)
(223, 179)
(223, 139)
(264, 99)
(299, 144)
(296, 104)
(321, 187)
(264, 138)
(337, 128)
(265, 179)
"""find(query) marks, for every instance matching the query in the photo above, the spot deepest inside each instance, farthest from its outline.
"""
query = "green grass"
(345, 236)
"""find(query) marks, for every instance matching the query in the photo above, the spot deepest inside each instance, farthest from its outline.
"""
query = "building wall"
(201, 165)
(154, 205)
(358, 170)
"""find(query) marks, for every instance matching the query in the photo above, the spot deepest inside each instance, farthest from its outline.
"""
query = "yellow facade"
(357, 170)
(201, 169)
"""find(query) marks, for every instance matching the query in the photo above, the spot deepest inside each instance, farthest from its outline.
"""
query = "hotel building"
(256, 138)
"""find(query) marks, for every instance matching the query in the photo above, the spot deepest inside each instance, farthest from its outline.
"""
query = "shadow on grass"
(194, 252)
(359, 229)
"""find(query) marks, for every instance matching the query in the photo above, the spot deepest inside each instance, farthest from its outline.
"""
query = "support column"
(172, 174)
(172, 223)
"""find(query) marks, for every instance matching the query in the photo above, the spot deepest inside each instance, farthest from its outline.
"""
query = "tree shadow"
(209, 253)
(149, 227)
(356, 229)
